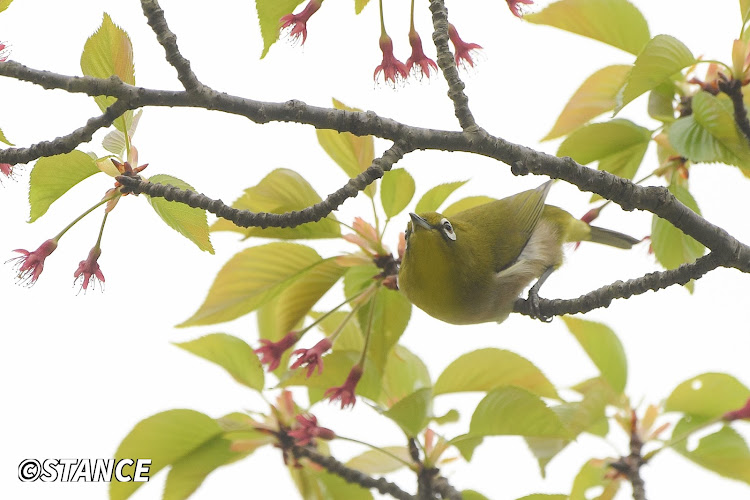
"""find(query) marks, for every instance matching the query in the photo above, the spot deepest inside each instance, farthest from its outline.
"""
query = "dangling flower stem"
(382, 20)
(373, 447)
(368, 332)
(84, 214)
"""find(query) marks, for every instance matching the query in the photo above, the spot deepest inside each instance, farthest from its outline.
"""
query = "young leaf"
(352, 153)
(661, 102)
(164, 438)
(281, 191)
(486, 369)
(377, 462)
(614, 22)
(618, 145)
(4, 4)
(745, 10)
(472, 495)
(593, 475)
(114, 141)
(466, 444)
(359, 5)
(662, 57)
(4, 139)
(189, 472)
(269, 14)
(514, 411)
(710, 134)
(335, 487)
(604, 349)
(232, 354)
(405, 373)
(544, 496)
(251, 278)
(413, 412)
(724, 452)
(708, 395)
(465, 204)
(434, 197)
(391, 315)
(396, 191)
(53, 176)
(188, 221)
(106, 53)
(671, 246)
(595, 96)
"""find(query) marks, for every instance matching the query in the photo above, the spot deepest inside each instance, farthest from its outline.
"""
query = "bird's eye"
(448, 229)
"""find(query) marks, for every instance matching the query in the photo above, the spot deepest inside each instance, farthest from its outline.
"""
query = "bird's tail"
(611, 238)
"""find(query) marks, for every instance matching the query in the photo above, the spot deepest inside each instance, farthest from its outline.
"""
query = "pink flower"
(346, 392)
(463, 49)
(312, 358)
(4, 52)
(7, 170)
(515, 8)
(31, 264)
(393, 70)
(741, 413)
(89, 268)
(418, 61)
(297, 23)
(271, 352)
(588, 217)
(309, 430)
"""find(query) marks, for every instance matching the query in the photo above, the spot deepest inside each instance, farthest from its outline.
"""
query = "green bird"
(472, 267)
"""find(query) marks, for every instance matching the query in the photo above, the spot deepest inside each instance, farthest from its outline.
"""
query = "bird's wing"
(525, 210)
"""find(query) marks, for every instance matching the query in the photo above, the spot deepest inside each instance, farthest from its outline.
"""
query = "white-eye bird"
(470, 268)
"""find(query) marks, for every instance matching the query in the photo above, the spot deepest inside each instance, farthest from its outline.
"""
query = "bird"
(472, 266)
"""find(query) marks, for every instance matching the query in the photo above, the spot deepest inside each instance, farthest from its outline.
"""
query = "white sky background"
(79, 370)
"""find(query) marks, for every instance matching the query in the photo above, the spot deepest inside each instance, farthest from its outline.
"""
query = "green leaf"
(164, 438)
(391, 315)
(357, 278)
(396, 191)
(472, 495)
(114, 141)
(615, 22)
(336, 368)
(486, 369)
(232, 354)
(661, 102)
(281, 191)
(593, 475)
(187, 473)
(4, 4)
(106, 53)
(745, 10)
(724, 452)
(251, 278)
(433, 198)
(413, 412)
(53, 176)
(466, 444)
(289, 308)
(188, 221)
(514, 411)
(404, 374)
(377, 462)
(618, 145)
(603, 347)
(671, 246)
(335, 487)
(350, 338)
(544, 496)
(465, 204)
(662, 57)
(4, 139)
(270, 13)
(352, 153)
(359, 5)
(708, 395)
(710, 134)
(595, 96)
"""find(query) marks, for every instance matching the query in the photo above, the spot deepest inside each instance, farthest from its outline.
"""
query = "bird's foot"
(536, 311)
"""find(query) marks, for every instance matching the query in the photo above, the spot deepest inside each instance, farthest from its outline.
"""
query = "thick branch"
(353, 476)
(447, 65)
(733, 88)
(623, 290)
(443, 488)
(168, 40)
(246, 218)
(522, 160)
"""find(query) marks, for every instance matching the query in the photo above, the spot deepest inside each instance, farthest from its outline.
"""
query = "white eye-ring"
(448, 229)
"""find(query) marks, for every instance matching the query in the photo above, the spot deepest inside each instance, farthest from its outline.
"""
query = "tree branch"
(246, 218)
(733, 88)
(603, 296)
(447, 65)
(351, 475)
(155, 18)
(630, 465)
(443, 488)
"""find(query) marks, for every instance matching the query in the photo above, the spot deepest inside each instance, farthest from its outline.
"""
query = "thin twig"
(733, 88)
(351, 475)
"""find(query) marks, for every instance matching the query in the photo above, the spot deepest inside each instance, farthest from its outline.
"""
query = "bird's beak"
(419, 221)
